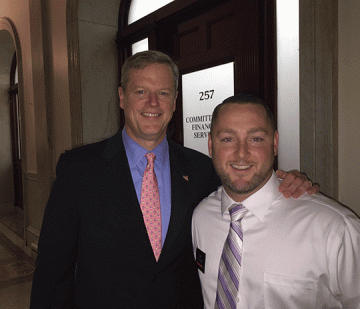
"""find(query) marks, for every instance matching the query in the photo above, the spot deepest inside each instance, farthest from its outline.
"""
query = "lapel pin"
(186, 178)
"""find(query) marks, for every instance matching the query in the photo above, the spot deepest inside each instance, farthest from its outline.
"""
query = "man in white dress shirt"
(297, 253)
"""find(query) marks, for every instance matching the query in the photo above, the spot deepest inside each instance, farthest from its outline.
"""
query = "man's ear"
(276, 142)
(210, 145)
(121, 96)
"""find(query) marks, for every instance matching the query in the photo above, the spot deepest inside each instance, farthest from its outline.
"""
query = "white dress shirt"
(297, 253)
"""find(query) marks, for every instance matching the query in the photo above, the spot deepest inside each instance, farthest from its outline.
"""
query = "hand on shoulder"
(295, 184)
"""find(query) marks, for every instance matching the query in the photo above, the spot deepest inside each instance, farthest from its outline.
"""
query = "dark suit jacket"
(93, 228)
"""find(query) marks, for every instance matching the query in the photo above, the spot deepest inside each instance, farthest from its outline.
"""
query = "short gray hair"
(143, 59)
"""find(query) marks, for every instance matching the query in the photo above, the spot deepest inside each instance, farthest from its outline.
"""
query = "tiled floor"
(14, 293)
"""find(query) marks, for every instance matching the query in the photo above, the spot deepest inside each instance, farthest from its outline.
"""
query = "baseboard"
(17, 240)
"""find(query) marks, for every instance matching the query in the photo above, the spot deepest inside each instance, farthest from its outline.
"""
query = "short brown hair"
(244, 98)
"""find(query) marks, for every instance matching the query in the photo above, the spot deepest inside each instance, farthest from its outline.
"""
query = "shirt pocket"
(283, 292)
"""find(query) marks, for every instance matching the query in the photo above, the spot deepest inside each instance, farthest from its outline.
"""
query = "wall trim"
(31, 176)
(33, 230)
(75, 96)
(319, 93)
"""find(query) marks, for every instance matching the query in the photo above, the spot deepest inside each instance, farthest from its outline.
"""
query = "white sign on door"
(202, 92)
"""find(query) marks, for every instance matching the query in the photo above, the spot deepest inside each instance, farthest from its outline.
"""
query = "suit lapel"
(119, 176)
(122, 193)
(180, 186)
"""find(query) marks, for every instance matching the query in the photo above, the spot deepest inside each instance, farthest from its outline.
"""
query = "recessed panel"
(189, 43)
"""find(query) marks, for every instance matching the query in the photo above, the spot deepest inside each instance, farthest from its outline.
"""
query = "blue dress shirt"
(137, 162)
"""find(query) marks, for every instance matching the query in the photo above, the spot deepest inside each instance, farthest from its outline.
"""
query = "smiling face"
(148, 103)
(243, 145)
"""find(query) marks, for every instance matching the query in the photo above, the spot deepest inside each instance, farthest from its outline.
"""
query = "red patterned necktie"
(150, 205)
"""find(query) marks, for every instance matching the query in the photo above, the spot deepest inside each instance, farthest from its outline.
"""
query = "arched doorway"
(15, 116)
(11, 185)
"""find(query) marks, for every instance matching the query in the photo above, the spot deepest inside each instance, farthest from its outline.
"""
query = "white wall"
(288, 84)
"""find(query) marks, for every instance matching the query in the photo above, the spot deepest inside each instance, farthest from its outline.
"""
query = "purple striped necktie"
(230, 263)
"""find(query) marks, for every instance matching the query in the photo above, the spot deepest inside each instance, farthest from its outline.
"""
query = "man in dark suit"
(94, 248)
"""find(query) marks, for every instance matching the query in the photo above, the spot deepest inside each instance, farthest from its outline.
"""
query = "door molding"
(319, 93)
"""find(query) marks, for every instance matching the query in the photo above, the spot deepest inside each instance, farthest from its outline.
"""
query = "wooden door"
(203, 34)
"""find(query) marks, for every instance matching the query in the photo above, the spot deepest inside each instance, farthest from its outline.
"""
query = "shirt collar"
(135, 152)
(257, 203)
